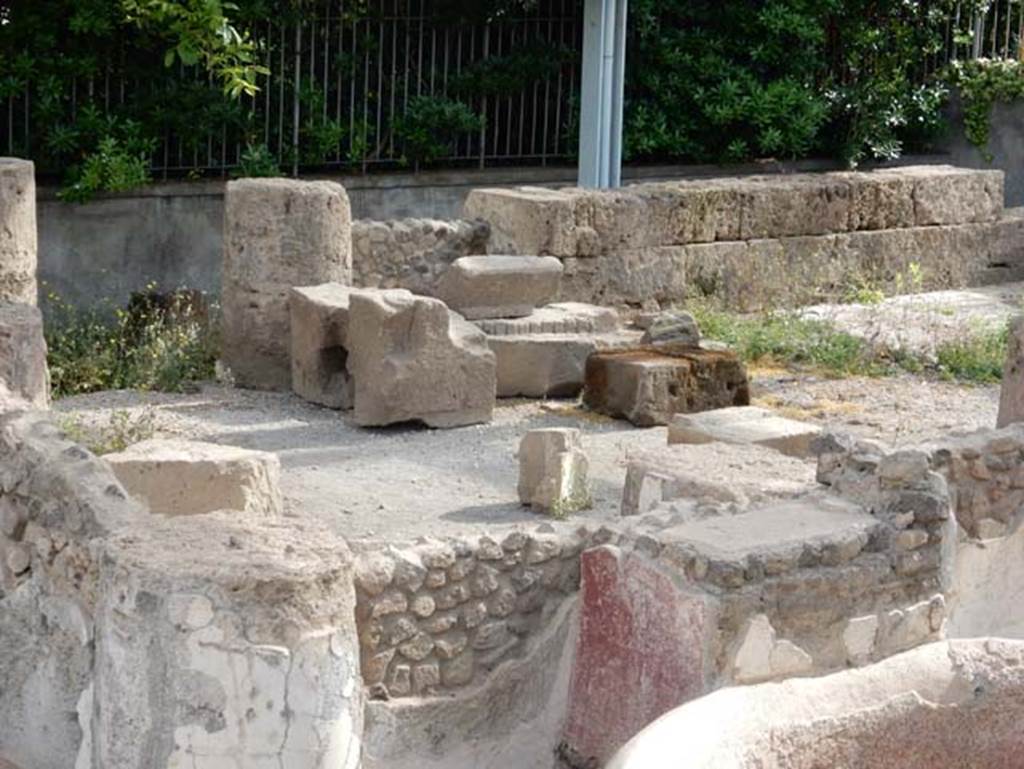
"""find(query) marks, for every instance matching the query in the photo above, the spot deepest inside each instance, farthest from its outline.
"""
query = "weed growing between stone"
(785, 339)
(152, 345)
(120, 431)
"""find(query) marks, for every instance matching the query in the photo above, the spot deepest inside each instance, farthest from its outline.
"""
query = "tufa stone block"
(23, 369)
(177, 477)
(648, 387)
(18, 239)
(500, 286)
(278, 233)
(553, 471)
(414, 359)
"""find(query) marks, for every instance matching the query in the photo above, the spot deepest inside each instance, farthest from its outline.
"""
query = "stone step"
(755, 275)
(563, 318)
(576, 222)
(744, 425)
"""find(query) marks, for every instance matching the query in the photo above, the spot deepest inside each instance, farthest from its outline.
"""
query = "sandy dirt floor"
(405, 481)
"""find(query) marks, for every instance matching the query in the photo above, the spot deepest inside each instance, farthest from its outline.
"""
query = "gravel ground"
(403, 482)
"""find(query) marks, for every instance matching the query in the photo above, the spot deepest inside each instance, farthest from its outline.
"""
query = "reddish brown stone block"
(648, 387)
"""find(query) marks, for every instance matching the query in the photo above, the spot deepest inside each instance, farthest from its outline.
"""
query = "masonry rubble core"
(164, 607)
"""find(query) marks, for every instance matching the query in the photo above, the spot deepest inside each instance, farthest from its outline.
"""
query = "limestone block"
(413, 359)
(560, 318)
(319, 344)
(787, 206)
(500, 286)
(744, 424)
(553, 471)
(278, 233)
(178, 477)
(527, 220)
(1011, 395)
(23, 370)
(18, 239)
(948, 195)
(711, 476)
(226, 643)
(859, 638)
(648, 387)
(549, 365)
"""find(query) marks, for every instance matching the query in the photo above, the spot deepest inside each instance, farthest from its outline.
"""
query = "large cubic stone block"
(18, 238)
(278, 233)
(23, 369)
(528, 220)
(744, 424)
(414, 359)
(319, 347)
(177, 477)
(1011, 395)
(648, 387)
(550, 365)
(500, 286)
(226, 643)
(553, 471)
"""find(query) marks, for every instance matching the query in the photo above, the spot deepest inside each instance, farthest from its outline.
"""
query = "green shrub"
(981, 84)
(431, 125)
(108, 348)
(257, 161)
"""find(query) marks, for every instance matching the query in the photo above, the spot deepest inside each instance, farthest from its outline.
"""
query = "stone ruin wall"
(138, 640)
(440, 616)
(764, 242)
(411, 253)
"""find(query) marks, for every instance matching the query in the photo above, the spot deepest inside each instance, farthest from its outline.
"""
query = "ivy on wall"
(981, 84)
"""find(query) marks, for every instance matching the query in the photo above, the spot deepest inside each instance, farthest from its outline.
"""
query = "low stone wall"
(411, 253)
(440, 616)
(762, 242)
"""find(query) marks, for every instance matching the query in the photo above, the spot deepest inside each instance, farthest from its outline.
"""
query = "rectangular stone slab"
(744, 424)
(648, 388)
(549, 365)
(500, 286)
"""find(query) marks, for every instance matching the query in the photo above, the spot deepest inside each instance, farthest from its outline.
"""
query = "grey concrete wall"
(1006, 146)
(170, 234)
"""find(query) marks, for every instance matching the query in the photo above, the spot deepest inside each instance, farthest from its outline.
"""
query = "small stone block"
(553, 471)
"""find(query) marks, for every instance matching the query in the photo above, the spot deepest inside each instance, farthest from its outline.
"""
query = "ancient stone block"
(744, 424)
(549, 365)
(948, 195)
(528, 220)
(178, 477)
(561, 318)
(18, 239)
(278, 233)
(23, 369)
(553, 471)
(648, 387)
(413, 359)
(672, 331)
(1011, 394)
(319, 344)
(500, 286)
